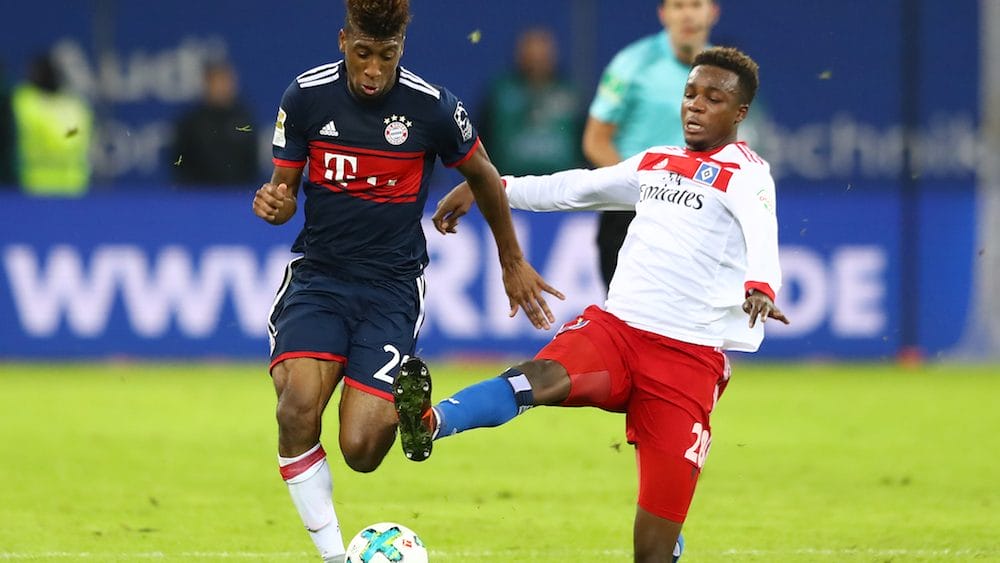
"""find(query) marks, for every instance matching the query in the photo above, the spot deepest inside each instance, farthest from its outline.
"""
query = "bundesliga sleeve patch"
(765, 199)
(279, 129)
(612, 88)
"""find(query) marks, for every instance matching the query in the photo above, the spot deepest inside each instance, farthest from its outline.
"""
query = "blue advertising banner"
(176, 276)
(872, 133)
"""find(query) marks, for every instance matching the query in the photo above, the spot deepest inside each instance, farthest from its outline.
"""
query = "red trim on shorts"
(288, 163)
(370, 390)
(759, 286)
(467, 156)
(325, 356)
(299, 467)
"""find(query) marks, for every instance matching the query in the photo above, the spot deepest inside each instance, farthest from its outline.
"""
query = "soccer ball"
(386, 542)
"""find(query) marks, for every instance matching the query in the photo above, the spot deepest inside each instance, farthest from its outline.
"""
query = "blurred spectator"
(215, 143)
(53, 131)
(7, 176)
(532, 118)
(638, 103)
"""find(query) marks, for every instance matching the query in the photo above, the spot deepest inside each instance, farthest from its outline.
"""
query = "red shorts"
(667, 389)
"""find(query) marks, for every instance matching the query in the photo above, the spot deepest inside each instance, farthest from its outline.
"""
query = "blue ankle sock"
(487, 403)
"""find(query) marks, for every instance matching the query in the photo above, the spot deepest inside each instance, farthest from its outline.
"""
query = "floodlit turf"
(123, 462)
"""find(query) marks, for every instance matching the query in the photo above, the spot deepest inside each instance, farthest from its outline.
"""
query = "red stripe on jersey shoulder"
(374, 175)
(748, 152)
(702, 169)
(654, 161)
(288, 163)
(468, 155)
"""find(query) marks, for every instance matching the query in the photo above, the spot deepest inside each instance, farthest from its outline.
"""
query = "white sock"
(311, 486)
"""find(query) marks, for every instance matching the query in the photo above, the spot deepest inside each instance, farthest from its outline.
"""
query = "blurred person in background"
(532, 118)
(630, 111)
(53, 130)
(215, 143)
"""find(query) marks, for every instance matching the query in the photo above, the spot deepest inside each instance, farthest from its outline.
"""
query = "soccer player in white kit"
(697, 276)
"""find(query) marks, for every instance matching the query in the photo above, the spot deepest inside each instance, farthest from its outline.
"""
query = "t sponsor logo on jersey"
(380, 176)
(279, 129)
(397, 129)
(463, 122)
(329, 130)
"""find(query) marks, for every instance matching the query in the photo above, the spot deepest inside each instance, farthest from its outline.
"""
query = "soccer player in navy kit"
(351, 305)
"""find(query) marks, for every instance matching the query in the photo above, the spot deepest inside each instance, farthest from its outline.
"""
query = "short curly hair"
(736, 61)
(380, 19)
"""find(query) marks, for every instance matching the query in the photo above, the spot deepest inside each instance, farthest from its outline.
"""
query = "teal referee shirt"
(641, 92)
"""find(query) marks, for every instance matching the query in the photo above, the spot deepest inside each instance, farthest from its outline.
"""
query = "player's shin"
(488, 403)
(311, 487)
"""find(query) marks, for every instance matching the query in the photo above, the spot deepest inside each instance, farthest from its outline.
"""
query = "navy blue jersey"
(369, 164)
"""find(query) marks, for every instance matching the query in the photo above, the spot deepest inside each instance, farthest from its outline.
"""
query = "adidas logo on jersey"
(330, 130)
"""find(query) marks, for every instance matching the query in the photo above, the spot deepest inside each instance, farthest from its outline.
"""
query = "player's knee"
(362, 453)
(550, 383)
(299, 416)
(362, 462)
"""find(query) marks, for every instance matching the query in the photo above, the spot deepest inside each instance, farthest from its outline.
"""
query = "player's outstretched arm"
(275, 201)
(759, 306)
(523, 284)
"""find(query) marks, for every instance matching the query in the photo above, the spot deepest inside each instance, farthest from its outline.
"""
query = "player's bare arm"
(523, 284)
(598, 143)
(759, 306)
(275, 201)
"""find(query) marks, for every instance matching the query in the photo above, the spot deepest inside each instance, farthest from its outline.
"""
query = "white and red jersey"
(705, 234)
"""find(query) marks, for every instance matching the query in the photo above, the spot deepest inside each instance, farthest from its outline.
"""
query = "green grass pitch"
(176, 462)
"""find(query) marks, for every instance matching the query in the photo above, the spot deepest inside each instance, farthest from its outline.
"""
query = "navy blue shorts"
(369, 326)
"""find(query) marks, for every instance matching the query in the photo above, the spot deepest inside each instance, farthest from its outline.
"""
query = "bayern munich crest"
(397, 129)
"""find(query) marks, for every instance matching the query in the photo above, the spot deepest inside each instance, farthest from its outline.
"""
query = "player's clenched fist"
(274, 203)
